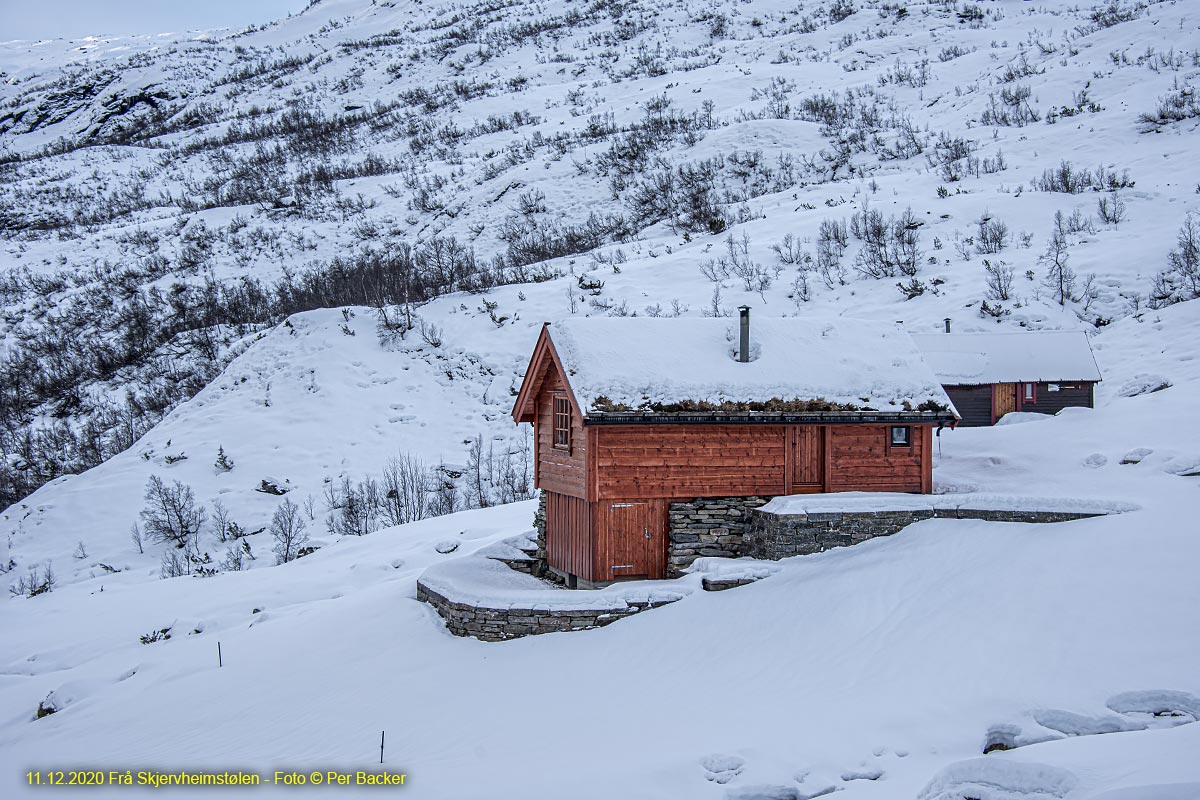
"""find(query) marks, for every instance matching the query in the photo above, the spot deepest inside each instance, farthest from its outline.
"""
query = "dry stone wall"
(774, 536)
(708, 526)
(501, 624)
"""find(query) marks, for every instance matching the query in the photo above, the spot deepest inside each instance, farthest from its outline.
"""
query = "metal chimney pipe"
(744, 341)
(947, 324)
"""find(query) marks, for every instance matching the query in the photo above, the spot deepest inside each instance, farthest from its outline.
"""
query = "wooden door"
(807, 458)
(1004, 399)
(635, 539)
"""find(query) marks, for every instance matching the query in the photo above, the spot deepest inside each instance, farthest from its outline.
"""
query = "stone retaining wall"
(539, 525)
(774, 536)
(708, 526)
(500, 624)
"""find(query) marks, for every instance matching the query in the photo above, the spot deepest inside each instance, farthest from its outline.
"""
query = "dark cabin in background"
(988, 375)
(636, 419)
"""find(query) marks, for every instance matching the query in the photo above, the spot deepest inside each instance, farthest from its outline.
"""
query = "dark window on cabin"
(900, 436)
(562, 423)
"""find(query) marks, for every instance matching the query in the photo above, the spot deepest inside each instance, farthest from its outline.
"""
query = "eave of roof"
(768, 417)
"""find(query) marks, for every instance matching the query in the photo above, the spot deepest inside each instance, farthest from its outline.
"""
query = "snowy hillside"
(164, 202)
(323, 249)
(881, 670)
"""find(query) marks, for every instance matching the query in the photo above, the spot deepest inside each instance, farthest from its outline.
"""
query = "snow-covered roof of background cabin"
(636, 362)
(976, 358)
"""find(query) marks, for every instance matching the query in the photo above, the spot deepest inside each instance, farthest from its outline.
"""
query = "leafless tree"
(171, 514)
(1059, 278)
(288, 529)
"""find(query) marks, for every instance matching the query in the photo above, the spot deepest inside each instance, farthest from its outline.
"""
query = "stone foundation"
(708, 526)
(501, 624)
(774, 536)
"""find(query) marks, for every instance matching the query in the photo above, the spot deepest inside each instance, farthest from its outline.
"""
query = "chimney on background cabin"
(947, 324)
(744, 339)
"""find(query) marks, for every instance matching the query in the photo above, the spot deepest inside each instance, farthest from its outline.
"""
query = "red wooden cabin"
(632, 415)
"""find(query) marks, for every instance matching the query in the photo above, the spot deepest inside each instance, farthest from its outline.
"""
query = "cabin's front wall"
(862, 459)
(688, 461)
(619, 527)
(982, 405)
(974, 404)
(677, 461)
(1067, 394)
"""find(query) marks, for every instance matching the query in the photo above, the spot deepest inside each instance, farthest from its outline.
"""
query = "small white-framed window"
(562, 423)
(1031, 393)
(901, 436)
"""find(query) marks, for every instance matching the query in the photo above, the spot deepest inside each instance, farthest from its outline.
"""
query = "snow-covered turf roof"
(979, 358)
(653, 362)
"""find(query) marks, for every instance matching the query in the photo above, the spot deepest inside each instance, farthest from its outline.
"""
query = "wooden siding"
(861, 459)
(687, 461)
(1005, 398)
(974, 404)
(570, 543)
(1069, 395)
(807, 457)
(559, 470)
(623, 549)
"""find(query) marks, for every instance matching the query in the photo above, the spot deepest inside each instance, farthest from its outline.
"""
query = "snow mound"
(762, 792)
(1021, 417)
(721, 768)
(996, 779)
(1159, 791)
(481, 581)
(1072, 724)
(1143, 383)
(1136, 455)
(1160, 702)
(732, 569)
(1184, 466)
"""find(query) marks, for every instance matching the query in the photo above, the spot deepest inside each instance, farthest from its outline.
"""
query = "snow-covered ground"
(881, 670)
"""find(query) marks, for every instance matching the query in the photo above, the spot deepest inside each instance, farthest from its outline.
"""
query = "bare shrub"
(1181, 279)
(1111, 209)
(992, 236)
(999, 279)
(406, 485)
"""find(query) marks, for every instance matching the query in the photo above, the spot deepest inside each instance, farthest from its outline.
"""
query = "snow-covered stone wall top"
(647, 363)
(979, 358)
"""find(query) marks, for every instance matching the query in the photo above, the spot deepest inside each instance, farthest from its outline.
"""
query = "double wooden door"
(634, 539)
